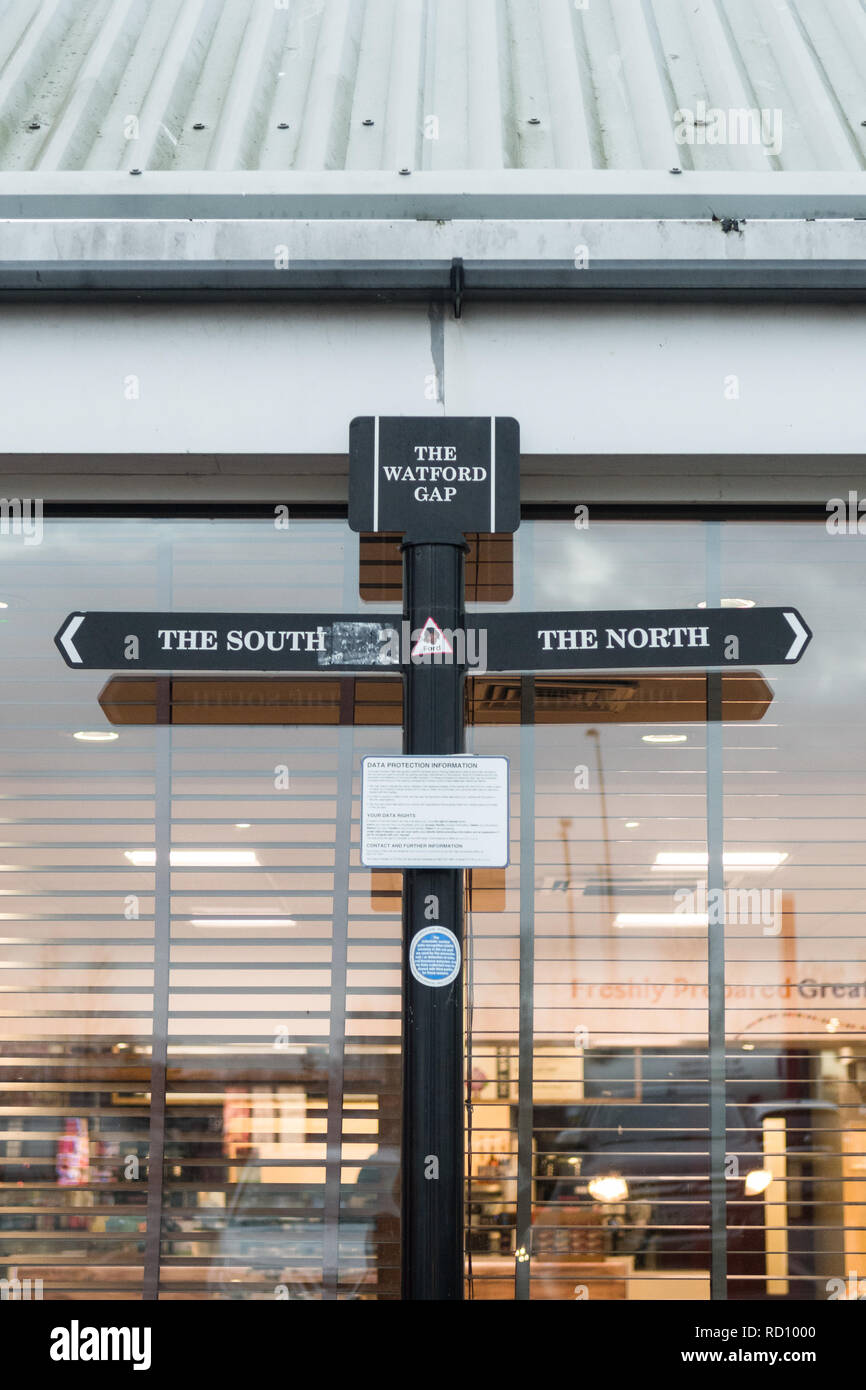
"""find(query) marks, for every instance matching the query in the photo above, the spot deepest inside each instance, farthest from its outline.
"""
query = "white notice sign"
(434, 813)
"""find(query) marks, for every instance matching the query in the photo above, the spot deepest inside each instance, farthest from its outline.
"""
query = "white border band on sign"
(493, 473)
(375, 472)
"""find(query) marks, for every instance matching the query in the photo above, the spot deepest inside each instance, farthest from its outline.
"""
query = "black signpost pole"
(432, 1168)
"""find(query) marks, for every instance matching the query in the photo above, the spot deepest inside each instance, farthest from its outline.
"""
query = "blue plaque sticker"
(434, 956)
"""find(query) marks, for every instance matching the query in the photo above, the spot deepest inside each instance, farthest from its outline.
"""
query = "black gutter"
(529, 511)
(455, 282)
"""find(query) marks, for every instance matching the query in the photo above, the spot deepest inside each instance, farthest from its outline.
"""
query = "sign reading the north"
(434, 813)
(434, 956)
(670, 638)
(434, 477)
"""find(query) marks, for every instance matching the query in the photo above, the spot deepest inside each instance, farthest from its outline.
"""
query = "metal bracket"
(458, 285)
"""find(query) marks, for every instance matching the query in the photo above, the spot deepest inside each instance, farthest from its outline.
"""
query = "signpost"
(432, 480)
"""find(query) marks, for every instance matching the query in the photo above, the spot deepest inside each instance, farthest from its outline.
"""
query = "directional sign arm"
(313, 642)
(672, 639)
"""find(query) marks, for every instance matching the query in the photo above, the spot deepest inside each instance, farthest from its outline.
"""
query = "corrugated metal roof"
(439, 85)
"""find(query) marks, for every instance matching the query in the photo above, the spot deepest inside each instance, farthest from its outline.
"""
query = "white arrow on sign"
(801, 637)
(67, 635)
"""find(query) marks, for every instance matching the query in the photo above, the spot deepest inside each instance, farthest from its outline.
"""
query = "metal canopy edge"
(433, 195)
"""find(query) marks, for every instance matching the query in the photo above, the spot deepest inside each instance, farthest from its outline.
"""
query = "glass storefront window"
(200, 1056)
(200, 990)
(618, 1148)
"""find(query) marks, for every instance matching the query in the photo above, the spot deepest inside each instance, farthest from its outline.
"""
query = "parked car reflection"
(265, 1245)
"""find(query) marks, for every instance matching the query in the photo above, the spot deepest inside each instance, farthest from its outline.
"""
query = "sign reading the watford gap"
(434, 477)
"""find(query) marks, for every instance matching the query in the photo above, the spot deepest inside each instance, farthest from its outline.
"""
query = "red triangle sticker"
(432, 641)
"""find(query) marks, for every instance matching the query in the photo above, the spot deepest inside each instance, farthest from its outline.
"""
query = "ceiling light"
(661, 919)
(4, 605)
(96, 735)
(732, 859)
(664, 738)
(748, 1047)
(832, 1025)
(612, 1189)
(196, 858)
(243, 921)
(242, 825)
(732, 603)
(632, 824)
(758, 1181)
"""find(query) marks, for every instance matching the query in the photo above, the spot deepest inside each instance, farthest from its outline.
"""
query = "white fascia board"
(586, 380)
(233, 379)
(664, 380)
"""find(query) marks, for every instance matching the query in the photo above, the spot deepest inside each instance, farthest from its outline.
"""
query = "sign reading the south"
(228, 641)
(434, 477)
